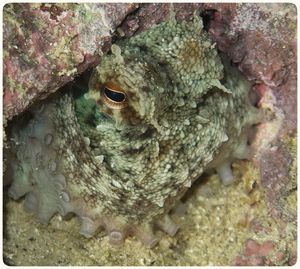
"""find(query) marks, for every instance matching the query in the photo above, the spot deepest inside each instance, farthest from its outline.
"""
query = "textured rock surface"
(46, 45)
(248, 33)
(261, 38)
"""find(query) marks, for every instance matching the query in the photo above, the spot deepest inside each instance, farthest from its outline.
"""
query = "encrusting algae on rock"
(162, 108)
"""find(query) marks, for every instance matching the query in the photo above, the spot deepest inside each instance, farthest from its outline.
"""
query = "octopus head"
(130, 87)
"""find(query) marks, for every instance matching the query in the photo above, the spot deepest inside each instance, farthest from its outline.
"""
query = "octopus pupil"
(114, 96)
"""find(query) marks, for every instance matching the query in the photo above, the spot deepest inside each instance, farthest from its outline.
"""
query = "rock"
(261, 39)
(266, 253)
(47, 45)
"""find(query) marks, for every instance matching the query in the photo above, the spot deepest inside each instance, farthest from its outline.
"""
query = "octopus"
(162, 108)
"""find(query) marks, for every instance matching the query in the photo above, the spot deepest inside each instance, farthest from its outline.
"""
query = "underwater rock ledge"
(47, 45)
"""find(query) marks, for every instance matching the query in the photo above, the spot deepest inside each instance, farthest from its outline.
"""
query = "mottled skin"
(123, 169)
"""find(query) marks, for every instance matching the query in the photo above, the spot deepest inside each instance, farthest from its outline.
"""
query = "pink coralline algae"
(46, 45)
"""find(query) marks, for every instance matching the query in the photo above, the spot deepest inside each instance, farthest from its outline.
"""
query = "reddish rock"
(266, 253)
(292, 260)
(261, 38)
(251, 248)
(274, 165)
(266, 248)
(46, 45)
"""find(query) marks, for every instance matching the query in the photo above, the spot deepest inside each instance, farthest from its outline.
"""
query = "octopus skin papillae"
(161, 108)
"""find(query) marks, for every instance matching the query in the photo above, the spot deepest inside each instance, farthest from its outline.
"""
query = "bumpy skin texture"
(124, 169)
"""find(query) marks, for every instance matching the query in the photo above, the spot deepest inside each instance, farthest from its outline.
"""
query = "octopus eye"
(114, 96)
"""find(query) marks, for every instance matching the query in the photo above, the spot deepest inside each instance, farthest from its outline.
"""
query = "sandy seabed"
(217, 223)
